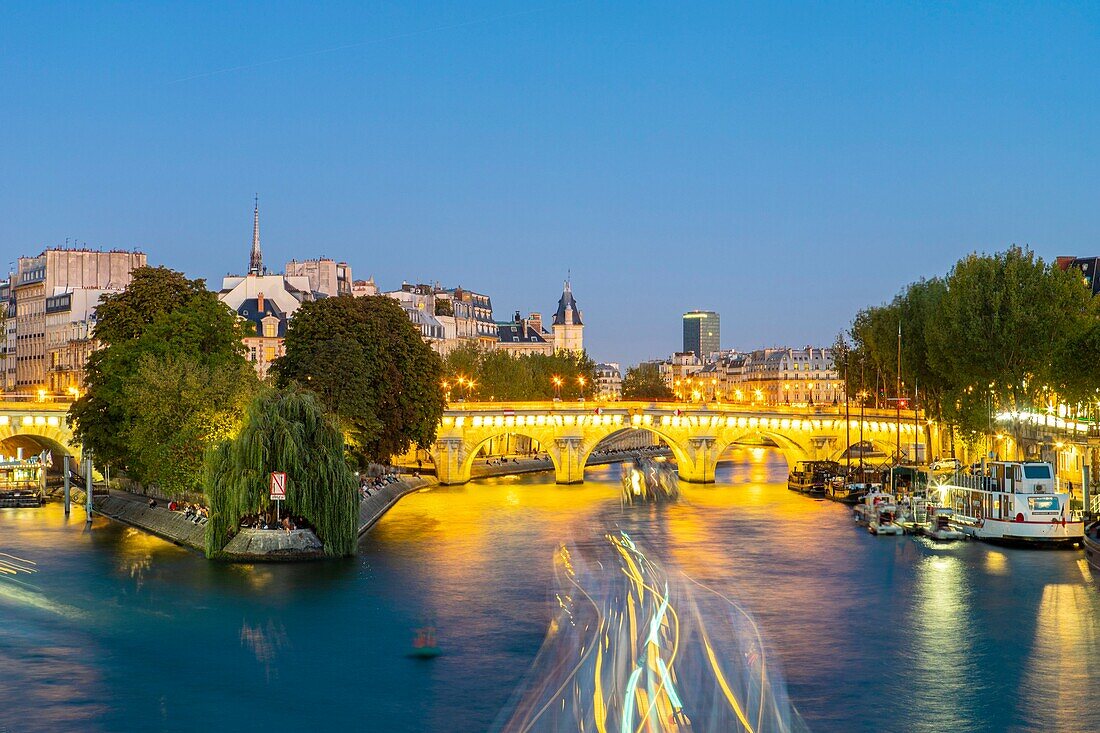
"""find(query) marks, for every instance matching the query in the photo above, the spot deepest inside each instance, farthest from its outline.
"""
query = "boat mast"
(847, 420)
(897, 402)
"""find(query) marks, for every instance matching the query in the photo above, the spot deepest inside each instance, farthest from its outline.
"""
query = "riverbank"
(248, 545)
(382, 500)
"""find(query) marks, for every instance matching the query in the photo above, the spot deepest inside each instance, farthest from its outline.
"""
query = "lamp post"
(557, 386)
(582, 381)
(787, 393)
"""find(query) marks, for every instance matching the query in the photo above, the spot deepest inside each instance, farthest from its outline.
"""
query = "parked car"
(946, 464)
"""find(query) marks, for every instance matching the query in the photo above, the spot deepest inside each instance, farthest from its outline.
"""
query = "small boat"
(811, 477)
(938, 527)
(1092, 545)
(424, 645)
(866, 510)
(883, 522)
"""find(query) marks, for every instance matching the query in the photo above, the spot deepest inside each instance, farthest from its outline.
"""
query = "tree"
(287, 431)
(498, 375)
(368, 365)
(161, 325)
(644, 382)
(186, 406)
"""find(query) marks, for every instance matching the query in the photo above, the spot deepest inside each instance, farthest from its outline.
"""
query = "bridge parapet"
(696, 433)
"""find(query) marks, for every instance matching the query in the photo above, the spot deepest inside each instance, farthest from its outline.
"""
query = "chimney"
(260, 302)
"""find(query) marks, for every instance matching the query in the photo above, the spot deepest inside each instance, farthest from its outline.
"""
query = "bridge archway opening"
(29, 444)
(524, 445)
(628, 441)
(874, 452)
(631, 435)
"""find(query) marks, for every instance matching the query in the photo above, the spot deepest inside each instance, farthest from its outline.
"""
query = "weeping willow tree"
(286, 431)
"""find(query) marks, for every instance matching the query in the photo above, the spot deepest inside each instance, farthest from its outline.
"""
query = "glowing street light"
(557, 386)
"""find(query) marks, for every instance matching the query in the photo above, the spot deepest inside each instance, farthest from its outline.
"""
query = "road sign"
(278, 485)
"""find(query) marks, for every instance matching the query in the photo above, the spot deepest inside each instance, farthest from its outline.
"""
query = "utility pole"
(65, 468)
(847, 420)
(88, 488)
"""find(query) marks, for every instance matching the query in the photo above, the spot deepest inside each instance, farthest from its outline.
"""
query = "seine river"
(112, 630)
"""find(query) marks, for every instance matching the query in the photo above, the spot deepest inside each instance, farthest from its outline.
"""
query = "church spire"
(255, 261)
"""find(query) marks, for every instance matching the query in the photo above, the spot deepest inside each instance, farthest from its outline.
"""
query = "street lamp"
(557, 386)
(787, 393)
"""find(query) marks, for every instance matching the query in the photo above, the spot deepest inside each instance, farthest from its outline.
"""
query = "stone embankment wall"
(247, 545)
(135, 511)
(382, 500)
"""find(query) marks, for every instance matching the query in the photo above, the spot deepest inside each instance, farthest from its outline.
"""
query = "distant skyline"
(783, 165)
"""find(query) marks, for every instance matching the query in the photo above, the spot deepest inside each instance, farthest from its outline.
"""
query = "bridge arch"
(792, 450)
(589, 446)
(467, 462)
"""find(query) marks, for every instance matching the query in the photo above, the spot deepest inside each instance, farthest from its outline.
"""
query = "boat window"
(1043, 503)
(1037, 470)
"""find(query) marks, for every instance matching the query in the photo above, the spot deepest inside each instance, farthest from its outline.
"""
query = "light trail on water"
(638, 647)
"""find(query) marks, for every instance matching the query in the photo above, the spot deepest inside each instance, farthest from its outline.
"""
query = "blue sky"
(783, 164)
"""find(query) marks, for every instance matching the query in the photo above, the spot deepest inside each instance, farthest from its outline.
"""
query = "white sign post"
(278, 489)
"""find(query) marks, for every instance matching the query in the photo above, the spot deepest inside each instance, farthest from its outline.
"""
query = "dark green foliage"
(285, 431)
(499, 376)
(152, 399)
(644, 382)
(1000, 332)
(368, 365)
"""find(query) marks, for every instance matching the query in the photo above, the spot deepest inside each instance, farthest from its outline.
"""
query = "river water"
(111, 630)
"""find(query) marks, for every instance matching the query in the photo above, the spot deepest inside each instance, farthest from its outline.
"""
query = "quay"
(248, 545)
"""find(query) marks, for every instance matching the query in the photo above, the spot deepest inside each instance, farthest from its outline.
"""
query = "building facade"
(609, 381)
(791, 376)
(524, 336)
(84, 275)
(326, 277)
(702, 333)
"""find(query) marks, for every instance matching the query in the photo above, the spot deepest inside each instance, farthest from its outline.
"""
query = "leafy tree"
(286, 431)
(644, 382)
(498, 375)
(186, 406)
(368, 365)
(162, 321)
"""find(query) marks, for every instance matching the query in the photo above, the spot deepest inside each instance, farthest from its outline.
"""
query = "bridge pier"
(698, 460)
(569, 466)
(451, 467)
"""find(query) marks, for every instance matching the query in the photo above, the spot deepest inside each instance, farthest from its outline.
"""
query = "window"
(1037, 470)
(271, 329)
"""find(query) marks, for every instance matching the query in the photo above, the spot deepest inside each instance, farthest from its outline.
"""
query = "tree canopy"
(644, 382)
(169, 380)
(287, 431)
(498, 375)
(369, 366)
(999, 332)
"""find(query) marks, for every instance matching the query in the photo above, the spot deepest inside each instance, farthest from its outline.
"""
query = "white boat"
(866, 510)
(938, 527)
(1016, 502)
(884, 521)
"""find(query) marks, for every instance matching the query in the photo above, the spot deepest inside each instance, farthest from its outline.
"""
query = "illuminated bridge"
(36, 425)
(696, 434)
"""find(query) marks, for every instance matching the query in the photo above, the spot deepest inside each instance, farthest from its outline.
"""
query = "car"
(946, 464)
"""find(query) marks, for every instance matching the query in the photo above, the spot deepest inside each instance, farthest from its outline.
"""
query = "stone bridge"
(696, 434)
(43, 423)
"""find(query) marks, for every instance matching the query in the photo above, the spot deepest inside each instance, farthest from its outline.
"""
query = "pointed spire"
(255, 261)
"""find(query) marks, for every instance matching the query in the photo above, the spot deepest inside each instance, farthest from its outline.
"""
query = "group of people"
(265, 520)
(501, 460)
(196, 513)
(368, 485)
